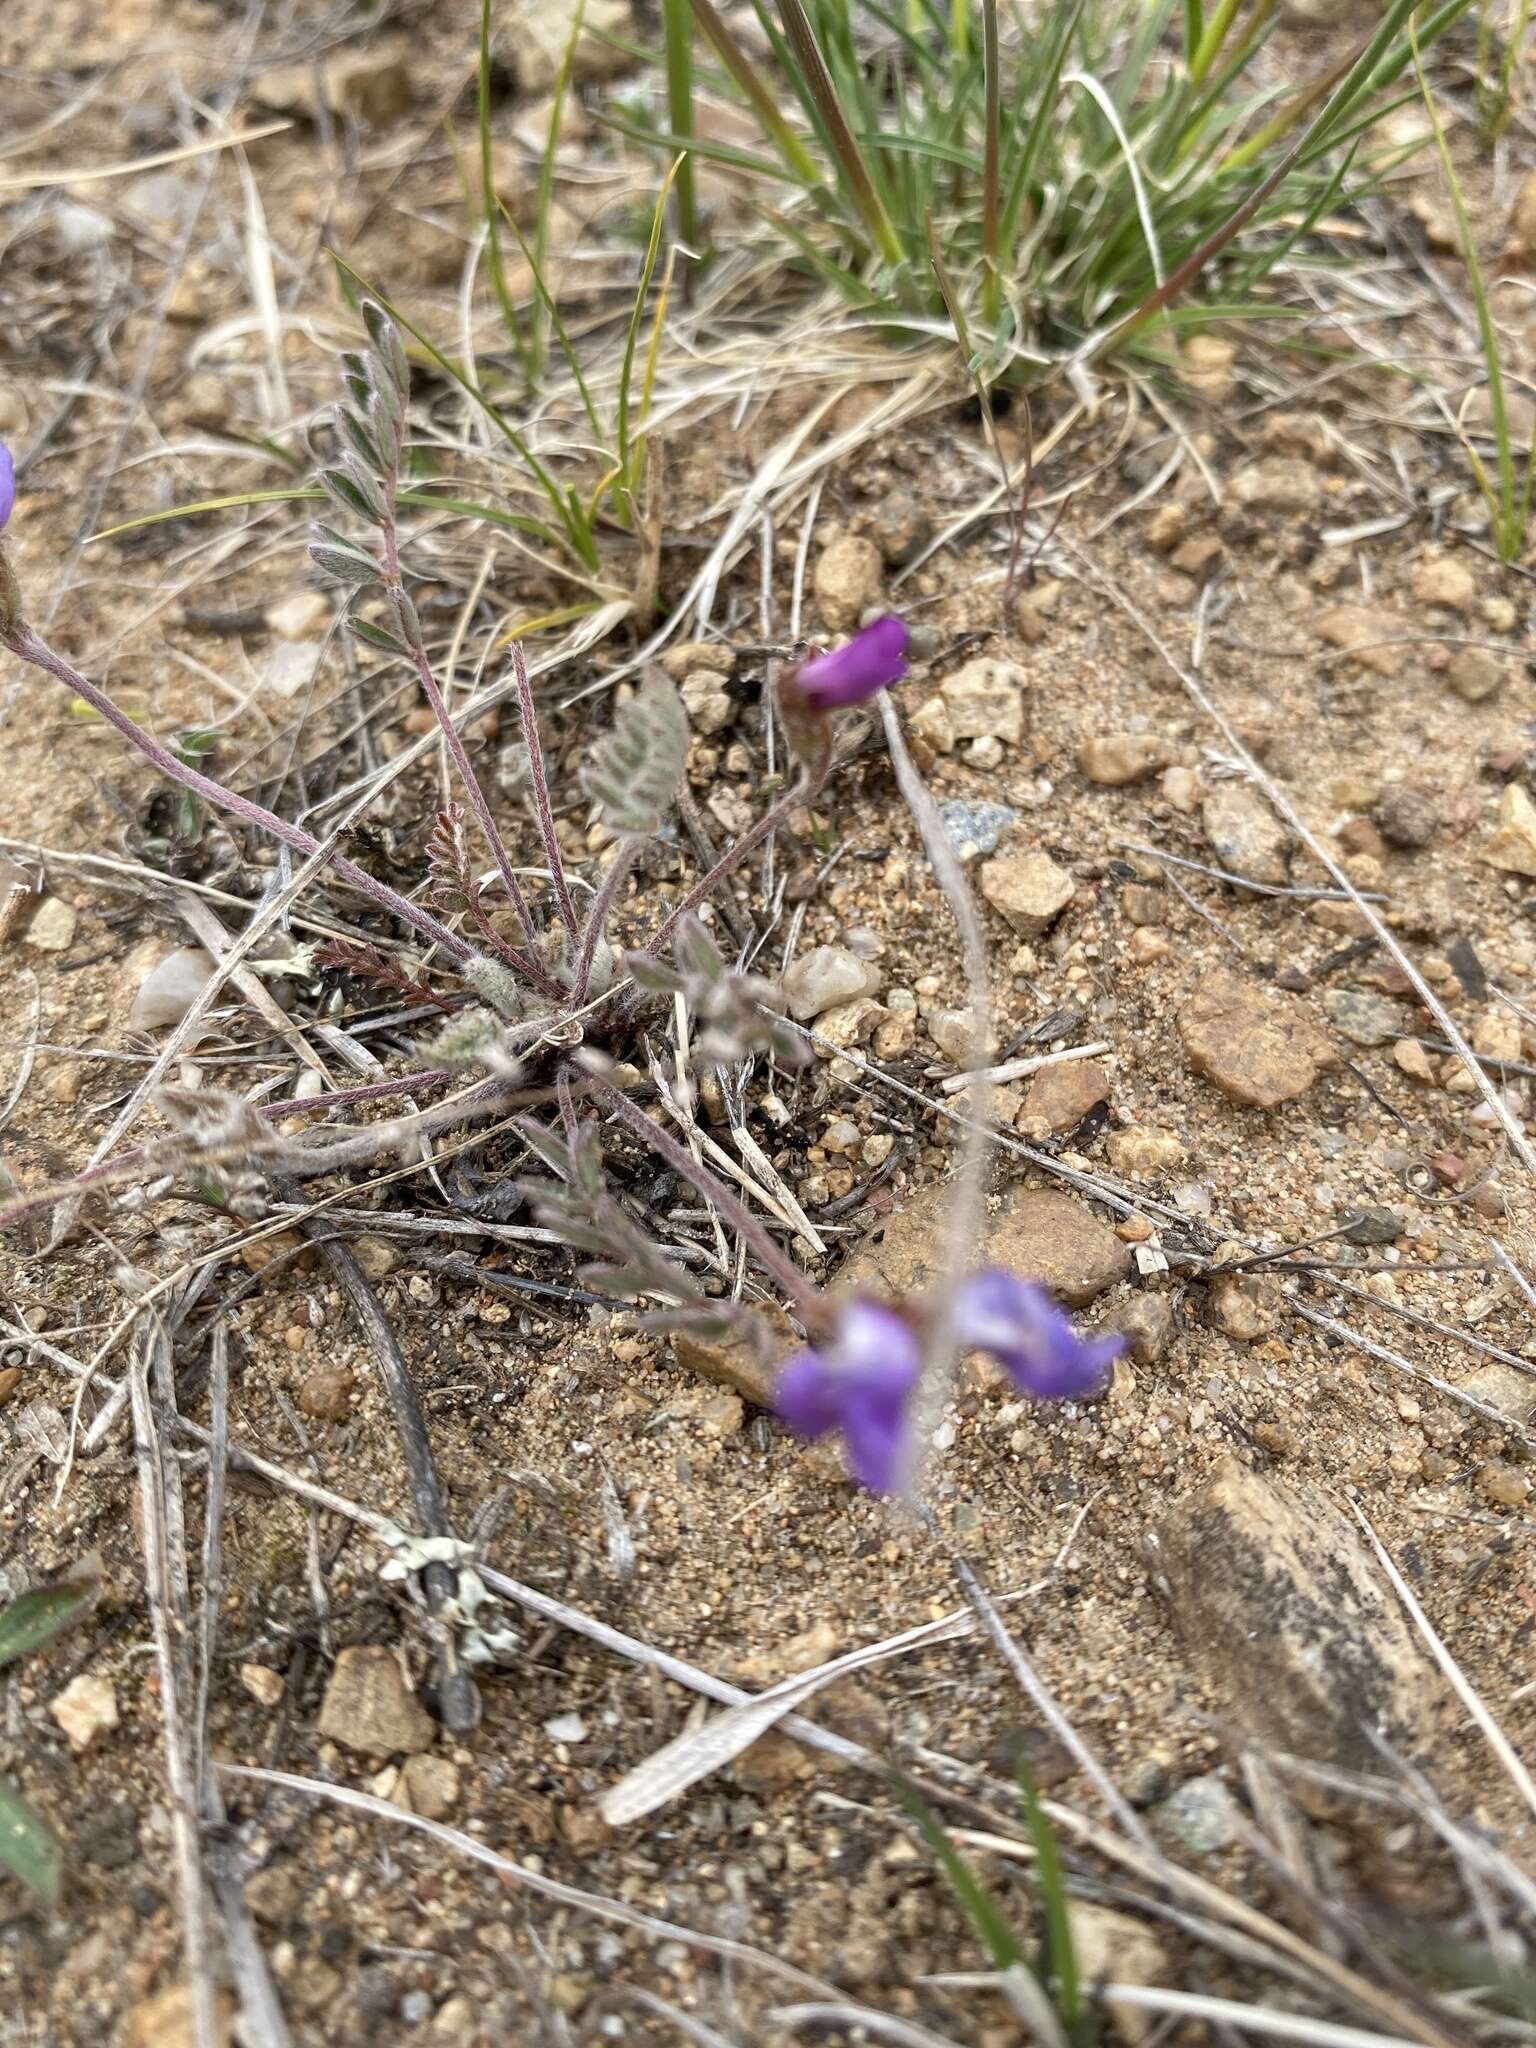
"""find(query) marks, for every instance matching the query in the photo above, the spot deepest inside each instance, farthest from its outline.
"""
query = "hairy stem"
(540, 781)
(788, 1277)
(602, 906)
(802, 792)
(28, 646)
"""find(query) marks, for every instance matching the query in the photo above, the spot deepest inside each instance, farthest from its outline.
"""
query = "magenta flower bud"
(7, 485)
(860, 1383)
(1031, 1339)
(872, 659)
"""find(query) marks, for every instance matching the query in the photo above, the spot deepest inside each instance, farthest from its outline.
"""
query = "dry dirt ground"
(1234, 512)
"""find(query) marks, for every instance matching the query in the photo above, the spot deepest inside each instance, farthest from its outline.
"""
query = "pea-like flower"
(7, 485)
(1036, 1345)
(872, 659)
(860, 1382)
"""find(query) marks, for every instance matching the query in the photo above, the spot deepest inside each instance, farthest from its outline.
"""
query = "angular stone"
(1504, 1387)
(52, 929)
(86, 1708)
(1118, 758)
(1408, 818)
(1257, 1046)
(1364, 1018)
(825, 977)
(708, 705)
(849, 579)
(1288, 1624)
(1114, 1948)
(169, 990)
(1280, 483)
(1141, 1150)
(747, 1360)
(1145, 1322)
(370, 1707)
(1060, 1096)
(1244, 1306)
(1245, 835)
(1476, 674)
(428, 1785)
(1513, 845)
(1051, 1237)
(986, 700)
(1444, 580)
(975, 826)
(1362, 629)
(1029, 889)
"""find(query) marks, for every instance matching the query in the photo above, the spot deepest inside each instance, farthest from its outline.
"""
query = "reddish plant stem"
(27, 646)
(434, 696)
(803, 792)
(597, 916)
(790, 1280)
(540, 783)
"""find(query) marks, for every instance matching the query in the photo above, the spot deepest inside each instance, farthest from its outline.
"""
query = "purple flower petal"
(7, 485)
(805, 1394)
(872, 659)
(860, 1383)
(1037, 1346)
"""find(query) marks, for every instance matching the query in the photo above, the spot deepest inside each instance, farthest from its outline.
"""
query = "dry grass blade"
(170, 1627)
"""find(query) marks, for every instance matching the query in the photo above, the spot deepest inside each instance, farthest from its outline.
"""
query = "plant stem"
(434, 696)
(787, 1276)
(28, 646)
(802, 792)
(677, 21)
(597, 917)
(540, 783)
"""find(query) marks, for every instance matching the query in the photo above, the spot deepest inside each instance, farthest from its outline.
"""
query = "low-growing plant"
(1083, 165)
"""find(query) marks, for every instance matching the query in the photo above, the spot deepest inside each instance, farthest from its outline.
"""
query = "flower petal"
(1037, 1346)
(878, 1439)
(875, 1350)
(7, 485)
(871, 659)
(806, 1394)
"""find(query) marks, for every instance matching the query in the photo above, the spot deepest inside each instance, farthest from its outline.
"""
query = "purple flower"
(871, 659)
(859, 1383)
(7, 485)
(1028, 1335)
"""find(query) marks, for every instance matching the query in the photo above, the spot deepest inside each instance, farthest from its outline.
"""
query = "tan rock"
(1146, 1323)
(428, 1785)
(1476, 674)
(1206, 366)
(369, 1705)
(1513, 845)
(1363, 630)
(52, 929)
(86, 1708)
(1141, 1151)
(1245, 835)
(986, 700)
(1258, 1046)
(1114, 1948)
(746, 1361)
(1278, 483)
(706, 702)
(1119, 758)
(1444, 580)
(1411, 1059)
(1060, 1096)
(850, 576)
(1058, 1240)
(1289, 1624)
(1030, 890)
(166, 2020)
(931, 721)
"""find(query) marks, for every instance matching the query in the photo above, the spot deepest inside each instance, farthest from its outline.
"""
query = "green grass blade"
(1194, 28)
(677, 25)
(559, 329)
(545, 195)
(1003, 1947)
(812, 69)
(801, 164)
(37, 1617)
(1503, 505)
(626, 448)
(1068, 15)
(991, 198)
(29, 1849)
(1061, 1950)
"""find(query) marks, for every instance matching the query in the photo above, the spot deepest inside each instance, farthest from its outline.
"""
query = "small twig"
(624, 857)
(801, 792)
(1015, 1070)
(459, 1697)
